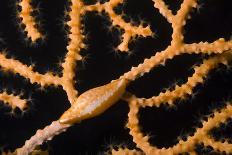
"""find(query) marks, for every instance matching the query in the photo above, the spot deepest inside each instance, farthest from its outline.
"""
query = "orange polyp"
(94, 102)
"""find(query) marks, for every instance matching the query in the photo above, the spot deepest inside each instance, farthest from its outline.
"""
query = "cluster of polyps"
(97, 100)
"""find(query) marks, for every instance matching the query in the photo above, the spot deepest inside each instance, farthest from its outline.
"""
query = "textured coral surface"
(175, 56)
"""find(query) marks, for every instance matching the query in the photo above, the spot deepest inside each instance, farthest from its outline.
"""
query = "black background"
(213, 20)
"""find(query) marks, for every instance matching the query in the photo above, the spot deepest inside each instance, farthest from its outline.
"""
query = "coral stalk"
(42, 135)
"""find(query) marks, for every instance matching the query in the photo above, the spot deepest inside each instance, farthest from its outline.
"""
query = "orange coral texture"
(222, 54)
(28, 20)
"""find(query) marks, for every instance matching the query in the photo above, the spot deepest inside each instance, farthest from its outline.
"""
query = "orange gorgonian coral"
(96, 101)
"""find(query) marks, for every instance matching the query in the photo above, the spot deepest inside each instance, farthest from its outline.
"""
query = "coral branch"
(186, 89)
(42, 135)
(74, 47)
(96, 7)
(219, 45)
(125, 151)
(180, 20)
(163, 9)
(217, 146)
(28, 20)
(130, 30)
(17, 67)
(183, 146)
(13, 101)
(161, 57)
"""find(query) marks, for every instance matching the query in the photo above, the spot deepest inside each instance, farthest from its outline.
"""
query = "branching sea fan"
(102, 77)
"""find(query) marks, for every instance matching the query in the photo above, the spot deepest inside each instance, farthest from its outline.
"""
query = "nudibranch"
(94, 102)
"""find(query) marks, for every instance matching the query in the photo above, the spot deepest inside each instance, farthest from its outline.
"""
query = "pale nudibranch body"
(94, 102)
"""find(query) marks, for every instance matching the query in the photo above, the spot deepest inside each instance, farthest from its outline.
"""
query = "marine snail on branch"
(94, 102)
